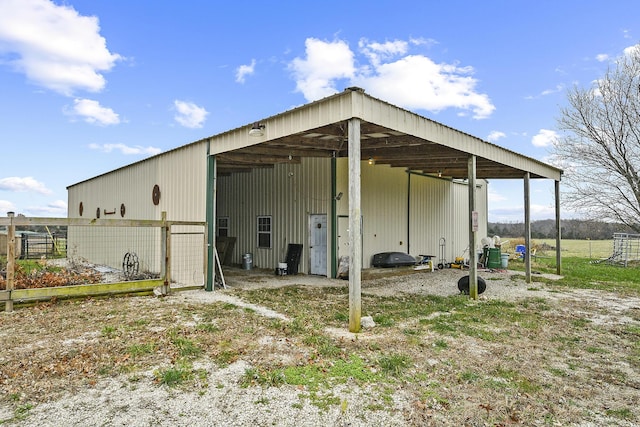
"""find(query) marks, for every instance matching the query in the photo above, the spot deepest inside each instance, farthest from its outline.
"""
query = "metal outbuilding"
(369, 175)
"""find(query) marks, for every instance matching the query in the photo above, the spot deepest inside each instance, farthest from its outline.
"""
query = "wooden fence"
(86, 242)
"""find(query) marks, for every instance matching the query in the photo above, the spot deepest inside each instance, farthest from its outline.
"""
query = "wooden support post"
(558, 229)
(166, 254)
(355, 228)
(473, 229)
(527, 228)
(11, 261)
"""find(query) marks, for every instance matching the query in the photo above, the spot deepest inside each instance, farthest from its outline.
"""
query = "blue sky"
(87, 86)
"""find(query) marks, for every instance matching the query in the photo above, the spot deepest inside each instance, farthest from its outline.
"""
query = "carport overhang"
(355, 125)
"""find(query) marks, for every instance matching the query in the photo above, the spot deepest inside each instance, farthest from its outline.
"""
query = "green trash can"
(493, 259)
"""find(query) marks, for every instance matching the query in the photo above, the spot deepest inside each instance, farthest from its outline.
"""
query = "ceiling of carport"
(385, 146)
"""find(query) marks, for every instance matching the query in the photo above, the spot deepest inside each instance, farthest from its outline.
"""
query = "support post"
(558, 229)
(355, 227)
(166, 254)
(473, 229)
(211, 221)
(334, 219)
(11, 262)
(527, 228)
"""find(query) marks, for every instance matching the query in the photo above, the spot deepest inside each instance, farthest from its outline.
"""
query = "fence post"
(11, 261)
(166, 252)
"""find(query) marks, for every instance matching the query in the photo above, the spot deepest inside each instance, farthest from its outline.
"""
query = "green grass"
(580, 272)
(176, 375)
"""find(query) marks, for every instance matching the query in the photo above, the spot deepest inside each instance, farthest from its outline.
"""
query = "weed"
(580, 322)
(137, 350)
(109, 331)
(622, 413)
(341, 316)
(558, 372)
(226, 357)
(395, 364)
(383, 320)
(265, 378)
(22, 411)
(440, 344)
(324, 345)
(207, 327)
(174, 375)
(323, 401)
(469, 376)
(185, 346)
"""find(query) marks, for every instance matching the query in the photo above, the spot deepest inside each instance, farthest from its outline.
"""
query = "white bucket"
(282, 269)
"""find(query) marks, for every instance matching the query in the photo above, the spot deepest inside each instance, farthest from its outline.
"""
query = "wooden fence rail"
(161, 284)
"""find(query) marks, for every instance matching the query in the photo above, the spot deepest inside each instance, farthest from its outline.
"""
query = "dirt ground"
(551, 356)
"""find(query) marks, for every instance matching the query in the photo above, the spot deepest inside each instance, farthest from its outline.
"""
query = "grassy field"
(590, 249)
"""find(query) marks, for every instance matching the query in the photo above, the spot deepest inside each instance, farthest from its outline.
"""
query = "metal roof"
(389, 135)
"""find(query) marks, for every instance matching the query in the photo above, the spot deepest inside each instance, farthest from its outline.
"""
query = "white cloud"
(94, 113)
(495, 135)
(23, 184)
(189, 114)
(494, 197)
(602, 57)
(245, 70)
(544, 138)
(325, 63)
(377, 52)
(54, 46)
(415, 81)
(516, 213)
(56, 208)
(6, 206)
(557, 89)
(391, 73)
(125, 149)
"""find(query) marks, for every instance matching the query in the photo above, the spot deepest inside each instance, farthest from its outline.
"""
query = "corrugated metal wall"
(400, 212)
(180, 174)
(393, 221)
(181, 177)
(289, 193)
(440, 210)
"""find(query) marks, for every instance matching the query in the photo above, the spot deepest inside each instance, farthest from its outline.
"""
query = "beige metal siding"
(440, 209)
(437, 208)
(181, 177)
(289, 193)
(431, 215)
(180, 174)
(383, 206)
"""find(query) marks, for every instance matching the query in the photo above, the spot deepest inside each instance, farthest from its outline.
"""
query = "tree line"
(569, 229)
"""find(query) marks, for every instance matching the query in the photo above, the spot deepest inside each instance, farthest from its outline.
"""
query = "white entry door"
(318, 244)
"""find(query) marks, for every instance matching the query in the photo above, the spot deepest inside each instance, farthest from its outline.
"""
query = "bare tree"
(600, 145)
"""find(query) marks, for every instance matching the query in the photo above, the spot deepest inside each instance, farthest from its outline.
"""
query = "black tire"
(463, 285)
(441, 266)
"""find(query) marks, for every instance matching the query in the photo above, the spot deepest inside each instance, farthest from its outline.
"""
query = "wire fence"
(169, 252)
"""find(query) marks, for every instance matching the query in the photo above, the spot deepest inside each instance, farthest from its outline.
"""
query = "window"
(223, 226)
(264, 232)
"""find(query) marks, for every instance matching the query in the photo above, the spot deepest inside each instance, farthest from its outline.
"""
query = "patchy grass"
(487, 362)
